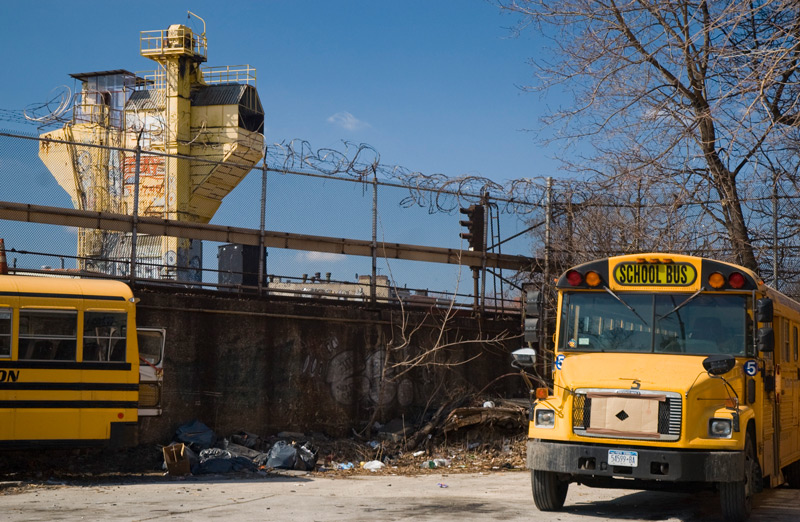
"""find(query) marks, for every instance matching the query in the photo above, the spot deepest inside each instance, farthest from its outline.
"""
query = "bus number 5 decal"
(751, 367)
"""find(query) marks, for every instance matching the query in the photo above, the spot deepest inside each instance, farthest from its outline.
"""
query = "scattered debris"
(373, 465)
(461, 437)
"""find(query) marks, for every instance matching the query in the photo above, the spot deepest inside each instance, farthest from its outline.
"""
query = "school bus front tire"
(736, 498)
(549, 492)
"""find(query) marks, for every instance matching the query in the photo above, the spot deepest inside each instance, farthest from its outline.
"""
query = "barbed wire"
(52, 111)
(439, 192)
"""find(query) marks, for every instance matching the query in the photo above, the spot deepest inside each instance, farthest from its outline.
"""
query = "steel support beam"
(248, 236)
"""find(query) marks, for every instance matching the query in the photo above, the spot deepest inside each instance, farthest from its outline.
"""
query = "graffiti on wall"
(350, 376)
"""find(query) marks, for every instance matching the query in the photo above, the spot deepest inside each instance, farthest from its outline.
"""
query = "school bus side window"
(48, 334)
(5, 332)
(104, 336)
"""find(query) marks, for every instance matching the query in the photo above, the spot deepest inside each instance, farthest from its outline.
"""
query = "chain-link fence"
(339, 224)
(75, 207)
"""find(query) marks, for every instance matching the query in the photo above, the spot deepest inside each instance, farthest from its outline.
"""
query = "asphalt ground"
(297, 496)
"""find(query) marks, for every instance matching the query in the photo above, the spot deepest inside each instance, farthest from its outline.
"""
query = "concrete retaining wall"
(267, 365)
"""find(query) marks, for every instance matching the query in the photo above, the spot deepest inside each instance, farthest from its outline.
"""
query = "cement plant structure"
(202, 128)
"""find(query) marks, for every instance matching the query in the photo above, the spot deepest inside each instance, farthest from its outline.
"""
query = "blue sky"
(432, 85)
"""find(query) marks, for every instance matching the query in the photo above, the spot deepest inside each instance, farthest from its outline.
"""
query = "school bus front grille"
(669, 414)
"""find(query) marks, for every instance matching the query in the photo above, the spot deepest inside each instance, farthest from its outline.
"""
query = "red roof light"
(574, 278)
(736, 280)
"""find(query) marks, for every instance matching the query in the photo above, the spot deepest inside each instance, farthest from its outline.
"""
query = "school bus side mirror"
(764, 311)
(523, 358)
(719, 364)
(766, 339)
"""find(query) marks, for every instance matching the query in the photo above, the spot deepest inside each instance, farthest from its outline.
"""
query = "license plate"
(623, 458)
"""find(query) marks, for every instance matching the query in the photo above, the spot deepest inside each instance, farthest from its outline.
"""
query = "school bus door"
(151, 373)
(788, 392)
(770, 426)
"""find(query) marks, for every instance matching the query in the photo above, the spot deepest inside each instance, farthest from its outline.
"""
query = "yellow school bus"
(69, 363)
(670, 372)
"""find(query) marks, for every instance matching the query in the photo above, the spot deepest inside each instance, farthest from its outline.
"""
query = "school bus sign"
(655, 274)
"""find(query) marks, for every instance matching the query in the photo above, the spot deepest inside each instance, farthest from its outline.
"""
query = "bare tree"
(698, 93)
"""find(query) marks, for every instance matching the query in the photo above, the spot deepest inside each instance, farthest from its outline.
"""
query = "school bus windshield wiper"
(629, 307)
(690, 298)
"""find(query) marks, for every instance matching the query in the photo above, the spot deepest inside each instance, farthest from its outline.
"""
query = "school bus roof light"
(574, 278)
(736, 280)
(592, 278)
(716, 280)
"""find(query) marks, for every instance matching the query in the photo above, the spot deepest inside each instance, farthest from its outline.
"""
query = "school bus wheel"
(549, 491)
(736, 498)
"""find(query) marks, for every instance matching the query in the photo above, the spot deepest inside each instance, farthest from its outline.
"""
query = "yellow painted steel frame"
(67, 401)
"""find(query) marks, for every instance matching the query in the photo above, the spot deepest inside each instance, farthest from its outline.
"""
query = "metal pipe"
(373, 282)
(484, 205)
(135, 214)
(261, 247)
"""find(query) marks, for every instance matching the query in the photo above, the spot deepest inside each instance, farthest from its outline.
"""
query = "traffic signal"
(533, 310)
(474, 225)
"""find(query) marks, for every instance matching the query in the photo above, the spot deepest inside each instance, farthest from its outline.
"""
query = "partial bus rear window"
(104, 336)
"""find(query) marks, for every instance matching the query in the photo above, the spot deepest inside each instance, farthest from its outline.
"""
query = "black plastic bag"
(226, 465)
(306, 457)
(244, 438)
(237, 450)
(292, 456)
(281, 456)
(196, 435)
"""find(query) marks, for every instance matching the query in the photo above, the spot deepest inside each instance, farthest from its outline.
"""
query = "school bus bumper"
(668, 465)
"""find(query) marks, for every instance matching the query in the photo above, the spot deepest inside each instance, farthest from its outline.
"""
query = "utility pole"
(543, 330)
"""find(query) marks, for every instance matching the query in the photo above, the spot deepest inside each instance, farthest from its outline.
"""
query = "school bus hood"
(646, 371)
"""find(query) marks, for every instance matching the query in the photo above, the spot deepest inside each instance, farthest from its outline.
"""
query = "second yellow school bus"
(669, 371)
(69, 362)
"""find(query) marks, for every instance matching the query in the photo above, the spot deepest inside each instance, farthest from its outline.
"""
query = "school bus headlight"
(544, 418)
(720, 428)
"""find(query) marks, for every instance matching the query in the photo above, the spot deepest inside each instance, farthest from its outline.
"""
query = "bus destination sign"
(656, 274)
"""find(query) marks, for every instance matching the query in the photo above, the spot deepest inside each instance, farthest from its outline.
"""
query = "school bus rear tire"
(549, 492)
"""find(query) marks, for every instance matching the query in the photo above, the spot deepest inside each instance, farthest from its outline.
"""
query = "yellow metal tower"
(204, 124)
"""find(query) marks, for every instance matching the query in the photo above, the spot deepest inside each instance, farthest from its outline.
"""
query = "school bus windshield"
(660, 323)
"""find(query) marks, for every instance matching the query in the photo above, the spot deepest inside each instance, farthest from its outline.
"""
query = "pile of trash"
(196, 450)
(485, 436)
